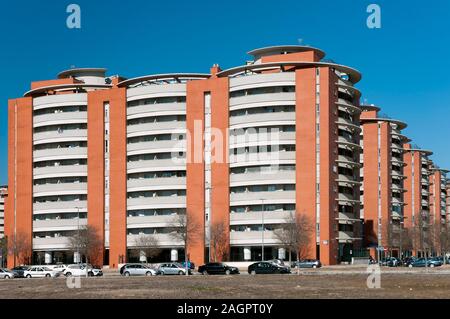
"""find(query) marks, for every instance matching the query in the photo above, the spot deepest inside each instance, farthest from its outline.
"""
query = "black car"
(267, 268)
(19, 270)
(217, 269)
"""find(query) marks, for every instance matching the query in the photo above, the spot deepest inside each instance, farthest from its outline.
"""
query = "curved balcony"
(175, 164)
(59, 118)
(156, 110)
(64, 136)
(155, 127)
(254, 139)
(345, 198)
(278, 118)
(156, 202)
(284, 97)
(249, 159)
(346, 106)
(156, 147)
(51, 243)
(346, 237)
(347, 218)
(347, 142)
(397, 189)
(347, 180)
(397, 175)
(58, 224)
(60, 171)
(262, 178)
(164, 241)
(61, 207)
(270, 217)
(397, 202)
(161, 183)
(347, 124)
(348, 161)
(151, 221)
(60, 153)
(60, 100)
(254, 198)
(262, 80)
(59, 189)
(239, 238)
(153, 91)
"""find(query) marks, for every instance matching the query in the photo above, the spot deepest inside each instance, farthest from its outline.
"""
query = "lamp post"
(402, 223)
(262, 232)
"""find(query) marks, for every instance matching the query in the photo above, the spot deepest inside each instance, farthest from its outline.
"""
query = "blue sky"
(403, 63)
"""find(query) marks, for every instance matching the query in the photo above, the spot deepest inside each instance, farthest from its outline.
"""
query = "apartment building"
(245, 147)
(382, 189)
(438, 194)
(417, 184)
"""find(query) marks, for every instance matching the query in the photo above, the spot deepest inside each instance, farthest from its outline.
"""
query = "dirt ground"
(323, 283)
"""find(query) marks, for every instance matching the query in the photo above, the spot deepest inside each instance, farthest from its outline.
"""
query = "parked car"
(19, 270)
(137, 270)
(80, 270)
(421, 262)
(59, 267)
(172, 269)
(40, 271)
(6, 273)
(391, 262)
(265, 267)
(408, 260)
(277, 262)
(217, 269)
(306, 263)
(190, 265)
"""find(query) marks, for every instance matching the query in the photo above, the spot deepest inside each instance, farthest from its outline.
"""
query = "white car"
(39, 272)
(59, 268)
(79, 270)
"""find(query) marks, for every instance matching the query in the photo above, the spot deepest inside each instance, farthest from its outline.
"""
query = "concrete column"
(174, 255)
(48, 258)
(281, 253)
(247, 253)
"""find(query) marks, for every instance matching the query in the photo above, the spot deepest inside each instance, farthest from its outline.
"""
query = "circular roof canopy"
(257, 53)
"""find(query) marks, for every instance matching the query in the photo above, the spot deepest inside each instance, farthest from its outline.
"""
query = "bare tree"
(440, 238)
(20, 248)
(87, 242)
(218, 241)
(295, 234)
(3, 250)
(149, 245)
(187, 230)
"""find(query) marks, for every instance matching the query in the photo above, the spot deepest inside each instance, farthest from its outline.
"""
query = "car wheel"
(47, 275)
(127, 274)
(410, 266)
(68, 274)
(162, 273)
(7, 277)
(205, 273)
(253, 272)
(432, 265)
(227, 272)
(314, 266)
(181, 272)
(148, 273)
(90, 274)
(28, 276)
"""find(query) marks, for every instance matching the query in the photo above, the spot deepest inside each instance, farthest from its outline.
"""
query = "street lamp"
(402, 223)
(262, 233)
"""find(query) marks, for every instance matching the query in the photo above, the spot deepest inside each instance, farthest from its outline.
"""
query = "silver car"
(172, 269)
(137, 270)
(6, 273)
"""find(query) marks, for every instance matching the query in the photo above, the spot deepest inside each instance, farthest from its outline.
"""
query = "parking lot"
(327, 282)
